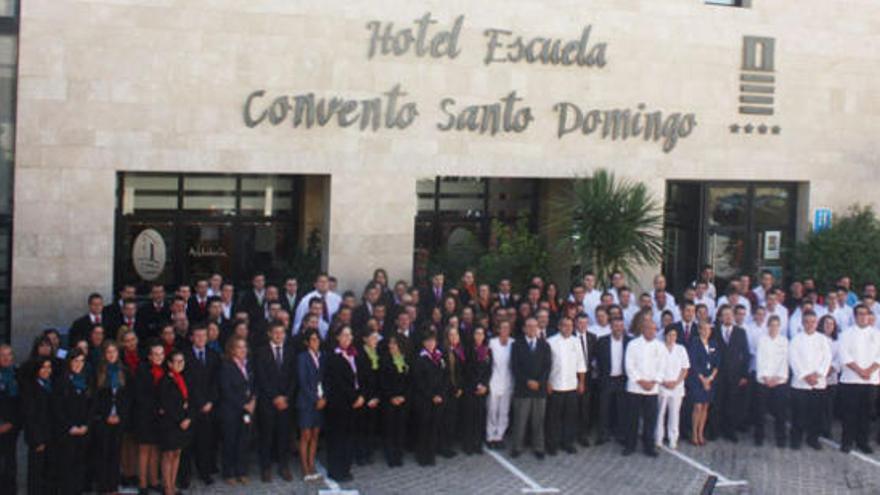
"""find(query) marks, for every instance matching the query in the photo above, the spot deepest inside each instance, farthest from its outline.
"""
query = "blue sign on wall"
(821, 219)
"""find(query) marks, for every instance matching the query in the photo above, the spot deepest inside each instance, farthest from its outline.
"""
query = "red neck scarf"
(157, 373)
(131, 360)
(181, 385)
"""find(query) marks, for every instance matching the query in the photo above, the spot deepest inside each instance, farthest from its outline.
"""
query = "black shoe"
(345, 478)
(569, 450)
(184, 484)
(759, 442)
(449, 454)
(780, 442)
(208, 481)
(514, 454)
(651, 452)
(539, 456)
(601, 440)
(795, 445)
(628, 452)
(731, 437)
(846, 448)
(814, 443)
(584, 442)
(551, 452)
(865, 448)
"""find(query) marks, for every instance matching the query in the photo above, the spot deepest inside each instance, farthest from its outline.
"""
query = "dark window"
(199, 224)
(8, 84)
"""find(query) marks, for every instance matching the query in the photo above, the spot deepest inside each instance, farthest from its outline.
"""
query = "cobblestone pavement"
(744, 469)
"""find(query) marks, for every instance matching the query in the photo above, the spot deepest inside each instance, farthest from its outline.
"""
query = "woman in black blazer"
(38, 428)
(477, 372)
(456, 362)
(367, 418)
(130, 357)
(236, 409)
(10, 417)
(394, 384)
(145, 415)
(111, 410)
(174, 420)
(430, 384)
(343, 400)
(71, 417)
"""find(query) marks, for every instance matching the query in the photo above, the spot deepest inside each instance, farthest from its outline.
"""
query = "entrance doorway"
(178, 228)
(735, 227)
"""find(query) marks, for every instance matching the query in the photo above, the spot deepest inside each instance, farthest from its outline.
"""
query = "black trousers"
(728, 408)
(473, 421)
(340, 442)
(451, 422)
(584, 414)
(201, 451)
(39, 476)
(366, 426)
(561, 420)
(857, 405)
(71, 464)
(612, 398)
(644, 407)
(106, 448)
(429, 417)
(775, 402)
(273, 427)
(807, 412)
(830, 399)
(394, 423)
(8, 464)
(235, 444)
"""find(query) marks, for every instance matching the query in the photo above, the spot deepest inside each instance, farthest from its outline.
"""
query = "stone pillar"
(372, 225)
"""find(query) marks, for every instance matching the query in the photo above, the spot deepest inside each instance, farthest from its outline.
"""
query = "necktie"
(97, 319)
(202, 356)
(437, 293)
(129, 323)
(324, 313)
(583, 340)
(278, 360)
(531, 344)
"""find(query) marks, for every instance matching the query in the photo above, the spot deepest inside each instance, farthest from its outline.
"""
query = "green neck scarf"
(374, 357)
(399, 363)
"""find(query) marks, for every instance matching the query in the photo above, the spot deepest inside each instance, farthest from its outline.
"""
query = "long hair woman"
(10, 417)
(38, 425)
(477, 372)
(71, 411)
(174, 420)
(367, 418)
(456, 362)
(145, 415)
(310, 402)
(111, 412)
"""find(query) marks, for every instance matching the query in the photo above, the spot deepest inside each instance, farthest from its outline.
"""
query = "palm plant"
(609, 224)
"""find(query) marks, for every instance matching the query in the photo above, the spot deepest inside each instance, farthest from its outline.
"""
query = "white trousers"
(498, 416)
(668, 411)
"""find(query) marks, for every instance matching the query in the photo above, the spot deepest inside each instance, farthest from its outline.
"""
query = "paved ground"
(744, 469)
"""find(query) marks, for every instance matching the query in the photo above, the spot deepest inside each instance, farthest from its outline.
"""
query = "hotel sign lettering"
(424, 38)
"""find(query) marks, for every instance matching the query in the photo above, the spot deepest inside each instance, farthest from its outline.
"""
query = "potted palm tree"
(608, 224)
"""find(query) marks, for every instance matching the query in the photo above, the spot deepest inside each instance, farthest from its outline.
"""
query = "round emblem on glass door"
(148, 254)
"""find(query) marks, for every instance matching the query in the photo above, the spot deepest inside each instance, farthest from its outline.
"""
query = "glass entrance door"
(209, 247)
(726, 220)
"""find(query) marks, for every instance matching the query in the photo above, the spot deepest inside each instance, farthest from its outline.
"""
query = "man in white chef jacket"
(809, 356)
(859, 349)
(644, 363)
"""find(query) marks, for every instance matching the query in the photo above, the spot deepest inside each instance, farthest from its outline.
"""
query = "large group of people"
(154, 394)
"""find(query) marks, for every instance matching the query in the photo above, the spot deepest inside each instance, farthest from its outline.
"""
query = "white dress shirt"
(628, 313)
(616, 356)
(808, 354)
(501, 381)
(332, 300)
(675, 360)
(567, 362)
(754, 331)
(645, 360)
(860, 346)
(843, 315)
(600, 331)
(772, 358)
(591, 300)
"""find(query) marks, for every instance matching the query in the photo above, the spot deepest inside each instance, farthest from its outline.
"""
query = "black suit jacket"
(734, 354)
(202, 380)
(235, 389)
(80, 329)
(603, 356)
(339, 385)
(249, 303)
(680, 338)
(285, 305)
(530, 365)
(151, 318)
(360, 316)
(429, 300)
(272, 381)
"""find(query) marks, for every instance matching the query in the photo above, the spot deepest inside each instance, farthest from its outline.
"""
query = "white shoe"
(673, 445)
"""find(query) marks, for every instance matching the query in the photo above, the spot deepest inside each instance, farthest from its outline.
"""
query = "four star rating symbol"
(750, 128)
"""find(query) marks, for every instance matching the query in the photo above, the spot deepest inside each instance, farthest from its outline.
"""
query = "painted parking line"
(723, 481)
(333, 487)
(857, 455)
(534, 486)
